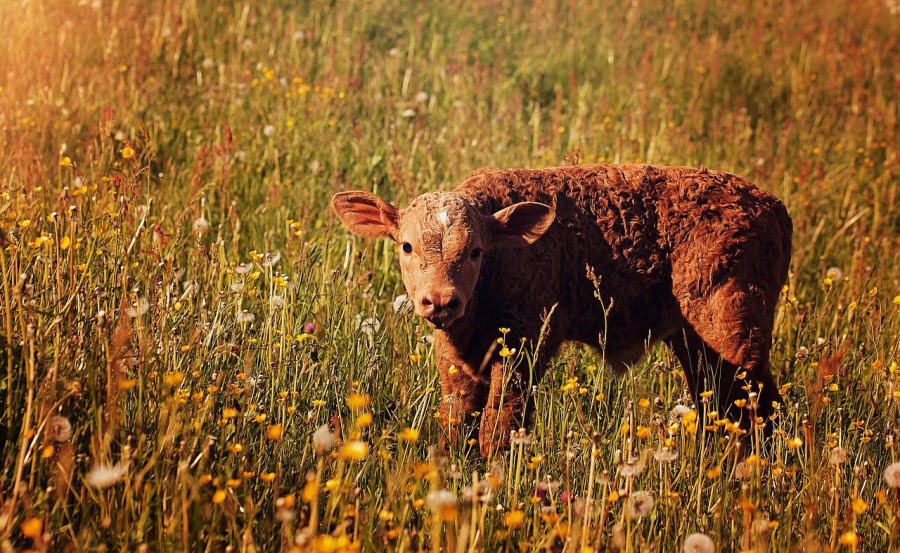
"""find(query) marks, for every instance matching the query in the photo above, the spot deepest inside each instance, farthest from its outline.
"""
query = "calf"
(614, 256)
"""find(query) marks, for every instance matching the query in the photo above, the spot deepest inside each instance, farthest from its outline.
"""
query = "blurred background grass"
(180, 313)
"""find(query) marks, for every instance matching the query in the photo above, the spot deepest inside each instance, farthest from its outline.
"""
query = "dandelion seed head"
(699, 543)
(838, 456)
(245, 317)
(59, 429)
(892, 475)
(200, 225)
(633, 467)
(639, 504)
(104, 476)
(665, 455)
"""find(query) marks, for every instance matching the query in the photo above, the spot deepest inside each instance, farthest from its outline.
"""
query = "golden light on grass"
(181, 320)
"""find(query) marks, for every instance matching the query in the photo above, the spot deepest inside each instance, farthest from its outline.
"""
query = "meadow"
(197, 357)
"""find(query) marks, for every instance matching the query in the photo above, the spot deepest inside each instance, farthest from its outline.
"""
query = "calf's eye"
(476, 253)
(406, 247)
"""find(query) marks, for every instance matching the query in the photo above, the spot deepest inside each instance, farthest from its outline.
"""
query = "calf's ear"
(521, 224)
(365, 214)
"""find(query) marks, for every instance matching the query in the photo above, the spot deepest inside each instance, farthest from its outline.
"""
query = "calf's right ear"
(365, 214)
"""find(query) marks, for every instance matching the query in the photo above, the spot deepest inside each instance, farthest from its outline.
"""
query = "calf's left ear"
(520, 224)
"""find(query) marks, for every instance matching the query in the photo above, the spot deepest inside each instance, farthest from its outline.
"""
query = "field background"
(180, 312)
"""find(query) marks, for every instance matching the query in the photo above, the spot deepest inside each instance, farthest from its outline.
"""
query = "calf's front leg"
(506, 409)
(463, 393)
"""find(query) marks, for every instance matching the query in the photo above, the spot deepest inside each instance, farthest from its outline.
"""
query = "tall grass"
(196, 357)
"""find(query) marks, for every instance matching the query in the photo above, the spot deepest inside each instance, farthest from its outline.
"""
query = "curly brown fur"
(691, 257)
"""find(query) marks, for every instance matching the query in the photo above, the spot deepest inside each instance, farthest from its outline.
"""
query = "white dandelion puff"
(200, 225)
(639, 505)
(633, 467)
(59, 429)
(402, 304)
(892, 475)
(323, 440)
(699, 543)
(245, 317)
(104, 476)
(838, 456)
(368, 326)
(665, 455)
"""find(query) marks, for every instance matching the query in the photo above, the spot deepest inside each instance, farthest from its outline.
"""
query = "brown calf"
(691, 257)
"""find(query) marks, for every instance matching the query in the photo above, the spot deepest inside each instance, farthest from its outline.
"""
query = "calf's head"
(442, 239)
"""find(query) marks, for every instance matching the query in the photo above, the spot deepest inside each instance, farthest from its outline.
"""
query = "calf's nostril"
(453, 303)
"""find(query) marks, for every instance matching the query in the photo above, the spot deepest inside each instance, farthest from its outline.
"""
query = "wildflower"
(219, 496)
(859, 506)
(358, 401)
(407, 113)
(32, 527)
(269, 130)
(65, 162)
(639, 505)
(892, 475)
(713, 473)
(323, 440)
(896, 300)
(275, 432)
(507, 352)
(495, 476)
(838, 456)
(443, 504)
(229, 413)
(514, 519)
(364, 420)
(699, 543)
(173, 378)
(409, 435)
(59, 429)
(642, 432)
(849, 538)
(354, 451)
(795, 443)
(834, 273)
(286, 502)
(104, 476)
(127, 152)
(743, 471)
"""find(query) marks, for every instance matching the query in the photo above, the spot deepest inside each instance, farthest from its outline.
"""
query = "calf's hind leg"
(725, 334)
